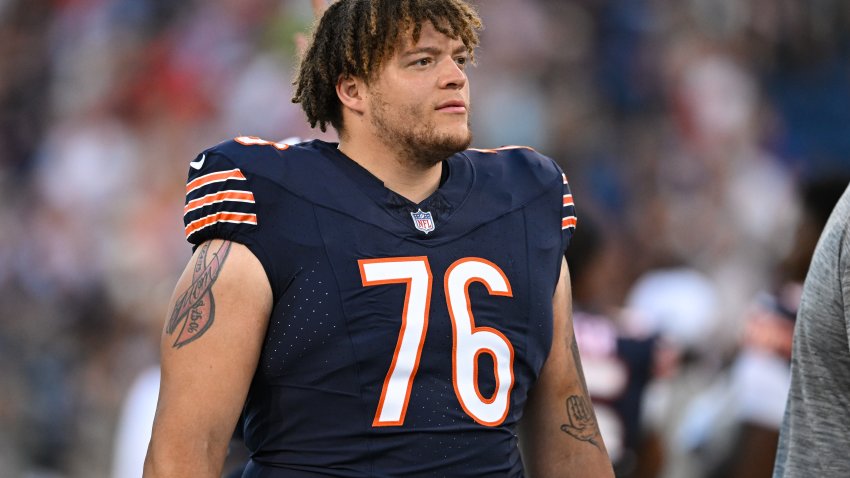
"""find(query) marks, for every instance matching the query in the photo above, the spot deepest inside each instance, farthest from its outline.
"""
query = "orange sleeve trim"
(214, 178)
(196, 226)
(238, 196)
(568, 222)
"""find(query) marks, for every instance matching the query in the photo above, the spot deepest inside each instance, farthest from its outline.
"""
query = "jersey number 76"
(469, 341)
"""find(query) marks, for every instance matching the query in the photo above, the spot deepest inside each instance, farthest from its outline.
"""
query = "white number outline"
(464, 332)
(468, 341)
(414, 325)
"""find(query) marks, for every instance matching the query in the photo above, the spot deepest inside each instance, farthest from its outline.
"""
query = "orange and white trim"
(503, 148)
(219, 197)
(568, 221)
(217, 177)
(256, 141)
(209, 220)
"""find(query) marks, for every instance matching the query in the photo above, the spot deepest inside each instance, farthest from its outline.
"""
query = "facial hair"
(417, 141)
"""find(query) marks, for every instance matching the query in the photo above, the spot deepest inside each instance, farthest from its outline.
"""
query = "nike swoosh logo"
(198, 164)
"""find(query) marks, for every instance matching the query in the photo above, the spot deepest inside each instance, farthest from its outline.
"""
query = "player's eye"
(422, 62)
(462, 60)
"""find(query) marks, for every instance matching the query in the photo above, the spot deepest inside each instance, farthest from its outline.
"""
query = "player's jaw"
(424, 135)
(444, 132)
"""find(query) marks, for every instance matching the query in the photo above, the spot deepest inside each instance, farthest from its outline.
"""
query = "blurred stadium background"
(704, 140)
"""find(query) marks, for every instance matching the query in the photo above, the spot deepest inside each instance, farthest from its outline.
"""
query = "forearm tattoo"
(195, 308)
(582, 425)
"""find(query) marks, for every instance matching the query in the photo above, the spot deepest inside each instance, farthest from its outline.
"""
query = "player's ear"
(350, 91)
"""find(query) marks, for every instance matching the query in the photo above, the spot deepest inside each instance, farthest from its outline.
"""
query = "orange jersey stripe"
(238, 196)
(203, 222)
(568, 200)
(214, 178)
(502, 148)
(569, 221)
(256, 141)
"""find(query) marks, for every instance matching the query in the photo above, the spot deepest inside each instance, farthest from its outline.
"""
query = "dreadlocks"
(355, 37)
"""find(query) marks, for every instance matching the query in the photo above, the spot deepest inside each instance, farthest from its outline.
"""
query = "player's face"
(420, 99)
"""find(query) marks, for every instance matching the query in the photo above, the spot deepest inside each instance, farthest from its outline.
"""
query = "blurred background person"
(620, 363)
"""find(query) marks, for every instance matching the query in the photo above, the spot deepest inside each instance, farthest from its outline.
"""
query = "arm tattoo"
(579, 368)
(582, 425)
(195, 308)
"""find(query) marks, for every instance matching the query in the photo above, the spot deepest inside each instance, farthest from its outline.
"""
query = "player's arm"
(559, 435)
(210, 347)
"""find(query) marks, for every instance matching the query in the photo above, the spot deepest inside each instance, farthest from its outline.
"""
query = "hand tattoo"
(195, 308)
(580, 412)
(582, 424)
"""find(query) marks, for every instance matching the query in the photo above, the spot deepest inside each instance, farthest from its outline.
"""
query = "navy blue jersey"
(404, 337)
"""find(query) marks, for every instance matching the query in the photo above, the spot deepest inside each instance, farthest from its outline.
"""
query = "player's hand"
(301, 42)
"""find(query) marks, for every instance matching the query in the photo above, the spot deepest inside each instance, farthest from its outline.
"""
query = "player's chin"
(458, 138)
(458, 131)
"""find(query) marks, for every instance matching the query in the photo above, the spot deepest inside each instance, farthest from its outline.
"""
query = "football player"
(394, 304)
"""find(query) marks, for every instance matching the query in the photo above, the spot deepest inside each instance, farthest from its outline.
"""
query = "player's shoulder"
(511, 153)
(250, 157)
(517, 164)
(247, 150)
(226, 182)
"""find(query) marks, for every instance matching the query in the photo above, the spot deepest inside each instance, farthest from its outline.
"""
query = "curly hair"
(354, 38)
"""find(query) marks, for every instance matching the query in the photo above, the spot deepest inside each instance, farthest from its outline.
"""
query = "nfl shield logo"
(423, 221)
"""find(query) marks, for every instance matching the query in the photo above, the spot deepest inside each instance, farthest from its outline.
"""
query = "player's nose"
(452, 74)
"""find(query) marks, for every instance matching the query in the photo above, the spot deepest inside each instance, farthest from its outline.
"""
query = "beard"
(417, 141)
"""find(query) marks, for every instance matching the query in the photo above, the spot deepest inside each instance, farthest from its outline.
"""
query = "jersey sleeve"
(568, 214)
(535, 173)
(219, 200)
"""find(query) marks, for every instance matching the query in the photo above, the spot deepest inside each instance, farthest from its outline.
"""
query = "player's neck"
(400, 174)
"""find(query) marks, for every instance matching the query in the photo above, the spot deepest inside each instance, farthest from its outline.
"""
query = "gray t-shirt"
(815, 436)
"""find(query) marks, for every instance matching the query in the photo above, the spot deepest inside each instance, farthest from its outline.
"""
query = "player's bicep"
(211, 343)
(559, 429)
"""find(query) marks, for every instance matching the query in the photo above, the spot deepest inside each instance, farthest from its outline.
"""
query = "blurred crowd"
(705, 142)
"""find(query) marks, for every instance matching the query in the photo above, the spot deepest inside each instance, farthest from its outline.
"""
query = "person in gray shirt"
(815, 435)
